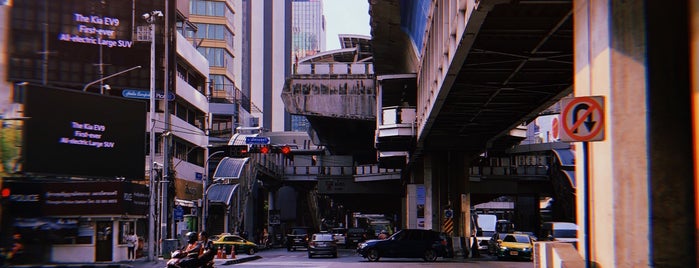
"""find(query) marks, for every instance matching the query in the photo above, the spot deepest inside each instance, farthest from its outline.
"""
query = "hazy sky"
(345, 17)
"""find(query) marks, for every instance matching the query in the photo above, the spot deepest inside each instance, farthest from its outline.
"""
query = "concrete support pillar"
(446, 186)
(527, 213)
(457, 187)
(672, 218)
(429, 182)
(641, 176)
(272, 205)
(249, 217)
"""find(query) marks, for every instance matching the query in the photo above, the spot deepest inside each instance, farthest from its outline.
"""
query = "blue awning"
(221, 193)
(230, 168)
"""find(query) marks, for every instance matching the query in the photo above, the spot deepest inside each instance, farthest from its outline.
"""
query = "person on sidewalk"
(131, 241)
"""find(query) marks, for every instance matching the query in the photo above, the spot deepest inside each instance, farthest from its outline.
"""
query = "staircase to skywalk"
(242, 174)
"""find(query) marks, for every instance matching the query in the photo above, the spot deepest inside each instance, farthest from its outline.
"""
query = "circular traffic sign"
(582, 119)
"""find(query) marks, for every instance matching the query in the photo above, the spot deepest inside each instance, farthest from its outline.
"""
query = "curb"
(242, 260)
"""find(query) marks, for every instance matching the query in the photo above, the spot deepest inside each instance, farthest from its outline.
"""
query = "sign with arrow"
(257, 140)
(582, 119)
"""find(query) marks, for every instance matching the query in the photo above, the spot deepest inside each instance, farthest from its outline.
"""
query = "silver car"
(322, 244)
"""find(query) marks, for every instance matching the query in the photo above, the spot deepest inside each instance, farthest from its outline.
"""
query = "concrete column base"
(556, 255)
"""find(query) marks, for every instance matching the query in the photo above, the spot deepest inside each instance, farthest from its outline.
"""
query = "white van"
(486, 224)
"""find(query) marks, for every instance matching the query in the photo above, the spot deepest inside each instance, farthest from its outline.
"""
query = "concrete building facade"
(270, 61)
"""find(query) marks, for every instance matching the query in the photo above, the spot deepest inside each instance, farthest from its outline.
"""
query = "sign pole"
(586, 196)
(582, 120)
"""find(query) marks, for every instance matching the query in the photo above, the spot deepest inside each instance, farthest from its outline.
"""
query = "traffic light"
(238, 151)
(285, 150)
(267, 149)
(263, 149)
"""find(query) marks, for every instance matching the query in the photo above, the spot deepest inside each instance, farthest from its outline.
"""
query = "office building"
(77, 96)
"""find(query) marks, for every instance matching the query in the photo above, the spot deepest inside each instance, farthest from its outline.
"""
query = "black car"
(355, 236)
(407, 243)
(297, 238)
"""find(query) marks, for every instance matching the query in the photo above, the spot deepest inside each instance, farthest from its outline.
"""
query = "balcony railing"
(330, 68)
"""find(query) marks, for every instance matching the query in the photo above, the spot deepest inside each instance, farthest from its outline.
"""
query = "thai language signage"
(81, 198)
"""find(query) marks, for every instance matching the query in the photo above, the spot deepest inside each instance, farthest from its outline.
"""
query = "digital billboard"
(70, 43)
(73, 133)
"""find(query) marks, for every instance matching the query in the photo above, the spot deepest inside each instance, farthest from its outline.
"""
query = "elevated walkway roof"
(221, 193)
(230, 168)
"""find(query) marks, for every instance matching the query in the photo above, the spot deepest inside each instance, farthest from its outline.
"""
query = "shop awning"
(230, 168)
(221, 193)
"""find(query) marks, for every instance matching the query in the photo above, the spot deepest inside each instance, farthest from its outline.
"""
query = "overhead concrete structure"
(335, 91)
(484, 67)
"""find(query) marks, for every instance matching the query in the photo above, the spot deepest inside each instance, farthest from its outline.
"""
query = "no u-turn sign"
(582, 119)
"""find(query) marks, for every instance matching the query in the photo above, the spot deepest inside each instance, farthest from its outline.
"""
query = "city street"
(348, 258)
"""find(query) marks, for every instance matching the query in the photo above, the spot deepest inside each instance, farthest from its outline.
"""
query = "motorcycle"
(178, 256)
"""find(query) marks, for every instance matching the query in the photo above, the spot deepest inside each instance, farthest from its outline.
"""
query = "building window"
(221, 126)
(190, 115)
(214, 32)
(188, 152)
(125, 229)
(83, 234)
(209, 8)
(218, 57)
(220, 82)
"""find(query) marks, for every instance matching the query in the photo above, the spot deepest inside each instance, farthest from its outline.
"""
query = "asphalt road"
(348, 258)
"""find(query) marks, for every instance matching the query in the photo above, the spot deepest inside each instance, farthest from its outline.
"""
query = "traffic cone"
(219, 254)
(233, 252)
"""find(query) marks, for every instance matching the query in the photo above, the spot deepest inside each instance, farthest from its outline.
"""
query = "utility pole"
(150, 18)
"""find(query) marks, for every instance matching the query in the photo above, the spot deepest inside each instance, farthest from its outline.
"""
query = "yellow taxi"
(226, 241)
(515, 246)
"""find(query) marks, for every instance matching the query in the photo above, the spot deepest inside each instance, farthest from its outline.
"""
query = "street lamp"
(205, 203)
(150, 18)
(109, 76)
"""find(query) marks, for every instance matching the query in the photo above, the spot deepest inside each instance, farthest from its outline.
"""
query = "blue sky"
(345, 17)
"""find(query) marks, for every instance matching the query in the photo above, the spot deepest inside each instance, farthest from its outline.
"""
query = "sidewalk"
(139, 263)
